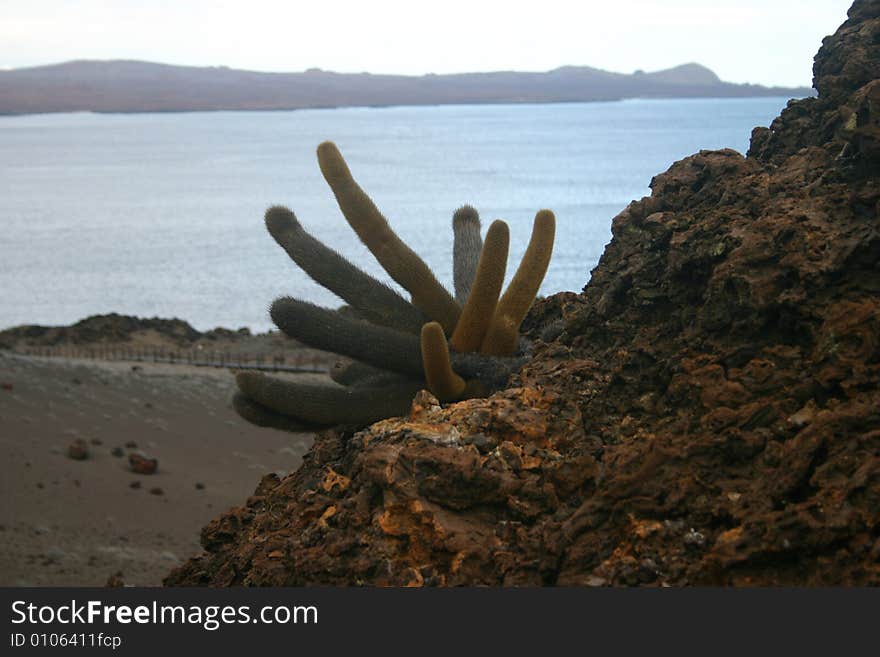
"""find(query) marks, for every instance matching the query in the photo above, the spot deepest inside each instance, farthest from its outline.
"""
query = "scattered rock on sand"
(142, 464)
(78, 450)
(115, 580)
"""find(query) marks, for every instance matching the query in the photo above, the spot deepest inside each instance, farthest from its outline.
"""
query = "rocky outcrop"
(111, 329)
(707, 411)
(846, 73)
(98, 329)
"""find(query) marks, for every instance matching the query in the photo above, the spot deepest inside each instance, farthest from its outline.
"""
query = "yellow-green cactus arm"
(442, 381)
(401, 262)
(503, 335)
(478, 311)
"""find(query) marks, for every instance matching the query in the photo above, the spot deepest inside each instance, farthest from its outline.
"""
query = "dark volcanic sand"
(67, 522)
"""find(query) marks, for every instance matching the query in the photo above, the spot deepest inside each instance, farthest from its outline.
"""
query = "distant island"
(134, 86)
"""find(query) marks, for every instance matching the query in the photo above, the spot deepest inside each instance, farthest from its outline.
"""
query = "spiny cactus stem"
(370, 298)
(442, 381)
(502, 337)
(326, 329)
(401, 262)
(327, 404)
(478, 311)
(355, 373)
(264, 417)
(467, 245)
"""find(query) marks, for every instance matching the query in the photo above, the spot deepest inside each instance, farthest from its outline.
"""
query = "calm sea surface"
(162, 214)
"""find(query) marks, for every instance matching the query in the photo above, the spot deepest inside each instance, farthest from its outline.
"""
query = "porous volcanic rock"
(707, 411)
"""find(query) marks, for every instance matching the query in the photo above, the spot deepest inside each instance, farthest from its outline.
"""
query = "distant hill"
(133, 86)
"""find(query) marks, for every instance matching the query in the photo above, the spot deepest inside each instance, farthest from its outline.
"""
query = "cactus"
(389, 363)
(371, 299)
(466, 247)
(503, 335)
(441, 379)
(352, 372)
(262, 416)
(325, 329)
(401, 262)
(483, 296)
(327, 404)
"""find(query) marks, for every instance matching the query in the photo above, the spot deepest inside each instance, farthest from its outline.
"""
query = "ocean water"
(162, 214)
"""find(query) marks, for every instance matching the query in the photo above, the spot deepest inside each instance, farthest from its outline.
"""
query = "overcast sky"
(768, 42)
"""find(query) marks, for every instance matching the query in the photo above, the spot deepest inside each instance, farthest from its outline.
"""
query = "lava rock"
(141, 464)
(78, 450)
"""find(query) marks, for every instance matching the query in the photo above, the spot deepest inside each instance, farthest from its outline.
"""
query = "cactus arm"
(493, 371)
(502, 338)
(442, 380)
(327, 404)
(401, 262)
(466, 248)
(373, 300)
(356, 373)
(261, 416)
(478, 311)
(326, 329)
(349, 372)
(386, 378)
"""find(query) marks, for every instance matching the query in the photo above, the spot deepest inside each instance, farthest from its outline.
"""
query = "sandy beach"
(66, 522)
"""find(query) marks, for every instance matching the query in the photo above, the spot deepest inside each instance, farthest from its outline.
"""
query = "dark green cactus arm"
(386, 378)
(348, 372)
(356, 373)
(493, 371)
(401, 262)
(442, 381)
(327, 404)
(502, 338)
(478, 311)
(326, 329)
(372, 299)
(466, 247)
(261, 416)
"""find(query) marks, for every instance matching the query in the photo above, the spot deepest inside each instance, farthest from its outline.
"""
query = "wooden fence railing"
(287, 362)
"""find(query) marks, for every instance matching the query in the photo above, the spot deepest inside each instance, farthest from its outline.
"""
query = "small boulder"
(78, 450)
(142, 464)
